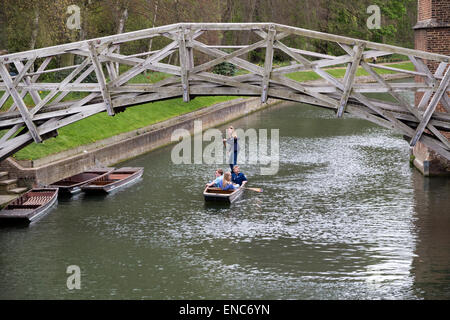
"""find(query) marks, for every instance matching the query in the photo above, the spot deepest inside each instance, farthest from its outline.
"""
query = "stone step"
(19, 190)
(3, 175)
(6, 198)
(8, 184)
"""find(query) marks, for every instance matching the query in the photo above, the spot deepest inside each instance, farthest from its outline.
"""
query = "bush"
(225, 69)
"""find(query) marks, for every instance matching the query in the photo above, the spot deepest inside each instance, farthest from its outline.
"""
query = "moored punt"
(73, 184)
(212, 194)
(30, 206)
(113, 180)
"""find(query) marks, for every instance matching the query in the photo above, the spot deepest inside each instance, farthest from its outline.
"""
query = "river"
(346, 217)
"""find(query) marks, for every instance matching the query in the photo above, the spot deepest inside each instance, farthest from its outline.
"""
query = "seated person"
(227, 184)
(217, 182)
(237, 176)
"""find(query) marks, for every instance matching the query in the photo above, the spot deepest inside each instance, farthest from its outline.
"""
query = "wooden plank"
(312, 54)
(224, 80)
(33, 79)
(101, 78)
(20, 104)
(292, 84)
(414, 73)
(65, 48)
(237, 61)
(4, 97)
(11, 132)
(432, 81)
(328, 77)
(99, 107)
(22, 71)
(184, 64)
(268, 63)
(368, 44)
(367, 102)
(431, 107)
(229, 56)
(427, 95)
(63, 83)
(315, 64)
(296, 56)
(147, 33)
(28, 81)
(142, 65)
(350, 78)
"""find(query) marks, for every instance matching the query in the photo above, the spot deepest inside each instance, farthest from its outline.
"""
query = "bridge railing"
(109, 81)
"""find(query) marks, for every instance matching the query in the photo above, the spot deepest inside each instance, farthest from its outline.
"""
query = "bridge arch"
(119, 84)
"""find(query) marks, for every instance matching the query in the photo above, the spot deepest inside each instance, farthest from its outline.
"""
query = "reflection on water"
(346, 217)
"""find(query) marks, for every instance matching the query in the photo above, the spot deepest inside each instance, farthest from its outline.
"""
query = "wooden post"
(268, 63)
(184, 64)
(101, 78)
(11, 88)
(350, 78)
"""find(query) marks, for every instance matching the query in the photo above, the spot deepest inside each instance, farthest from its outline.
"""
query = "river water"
(346, 217)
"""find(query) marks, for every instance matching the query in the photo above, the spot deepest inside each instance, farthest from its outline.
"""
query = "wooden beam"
(350, 78)
(101, 78)
(431, 107)
(229, 56)
(63, 83)
(183, 56)
(23, 70)
(405, 103)
(268, 63)
(237, 61)
(28, 81)
(142, 65)
(296, 56)
(20, 103)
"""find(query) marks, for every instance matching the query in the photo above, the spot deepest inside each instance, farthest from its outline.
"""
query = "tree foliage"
(103, 17)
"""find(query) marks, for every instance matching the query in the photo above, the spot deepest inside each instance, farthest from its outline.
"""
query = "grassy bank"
(101, 126)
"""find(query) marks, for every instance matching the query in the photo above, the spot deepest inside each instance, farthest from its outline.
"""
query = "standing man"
(232, 146)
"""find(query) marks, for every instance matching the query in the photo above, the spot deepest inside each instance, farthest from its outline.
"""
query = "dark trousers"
(234, 162)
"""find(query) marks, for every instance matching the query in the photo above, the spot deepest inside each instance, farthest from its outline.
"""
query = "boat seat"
(118, 176)
(37, 200)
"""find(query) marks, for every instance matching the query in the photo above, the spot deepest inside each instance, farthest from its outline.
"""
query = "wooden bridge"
(118, 82)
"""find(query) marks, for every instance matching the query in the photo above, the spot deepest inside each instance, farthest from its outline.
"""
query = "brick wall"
(424, 12)
(434, 9)
(440, 10)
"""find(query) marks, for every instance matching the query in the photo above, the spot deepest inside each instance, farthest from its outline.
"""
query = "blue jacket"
(229, 187)
(238, 178)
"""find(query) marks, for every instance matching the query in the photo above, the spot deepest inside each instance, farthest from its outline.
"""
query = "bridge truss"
(34, 108)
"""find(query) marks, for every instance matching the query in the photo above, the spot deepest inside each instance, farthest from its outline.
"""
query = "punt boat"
(73, 184)
(113, 180)
(29, 206)
(212, 194)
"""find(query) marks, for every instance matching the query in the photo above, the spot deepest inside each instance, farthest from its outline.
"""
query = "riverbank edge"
(119, 148)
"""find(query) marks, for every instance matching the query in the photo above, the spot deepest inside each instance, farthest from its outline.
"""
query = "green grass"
(340, 72)
(102, 126)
